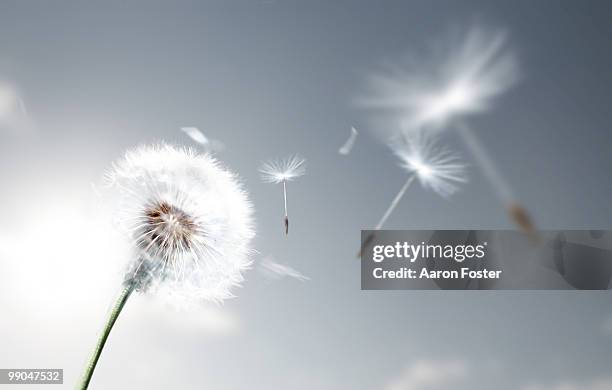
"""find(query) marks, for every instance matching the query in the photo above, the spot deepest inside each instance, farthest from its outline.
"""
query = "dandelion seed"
(198, 136)
(436, 168)
(439, 92)
(430, 91)
(282, 171)
(274, 270)
(190, 224)
(278, 171)
(346, 148)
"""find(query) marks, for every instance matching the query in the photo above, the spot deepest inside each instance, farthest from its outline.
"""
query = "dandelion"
(282, 171)
(190, 225)
(439, 93)
(435, 167)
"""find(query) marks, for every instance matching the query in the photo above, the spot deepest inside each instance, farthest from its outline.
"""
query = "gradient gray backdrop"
(269, 78)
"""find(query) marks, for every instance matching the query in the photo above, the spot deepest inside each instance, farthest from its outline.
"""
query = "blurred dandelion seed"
(439, 92)
(282, 171)
(346, 148)
(198, 136)
(436, 168)
(274, 270)
(431, 91)
(190, 225)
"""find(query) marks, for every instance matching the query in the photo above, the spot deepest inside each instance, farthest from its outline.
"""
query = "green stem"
(112, 317)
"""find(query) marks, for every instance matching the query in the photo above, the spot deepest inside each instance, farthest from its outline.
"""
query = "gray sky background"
(270, 78)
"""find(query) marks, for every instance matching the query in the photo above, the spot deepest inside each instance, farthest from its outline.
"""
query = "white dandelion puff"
(188, 218)
(190, 224)
(278, 171)
(431, 90)
(282, 171)
(346, 148)
(437, 168)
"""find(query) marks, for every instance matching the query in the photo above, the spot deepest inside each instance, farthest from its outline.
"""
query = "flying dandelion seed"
(346, 148)
(282, 171)
(440, 92)
(198, 136)
(430, 92)
(274, 270)
(190, 225)
(436, 168)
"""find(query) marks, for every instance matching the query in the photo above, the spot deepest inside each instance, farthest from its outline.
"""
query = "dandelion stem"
(387, 214)
(286, 219)
(112, 317)
(517, 213)
(486, 164)
(394, 203)
(285, 195)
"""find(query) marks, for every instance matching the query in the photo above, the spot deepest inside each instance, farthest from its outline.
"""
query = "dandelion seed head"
(277, 171)
(188, 219)
(430, 90)
(436, 167)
